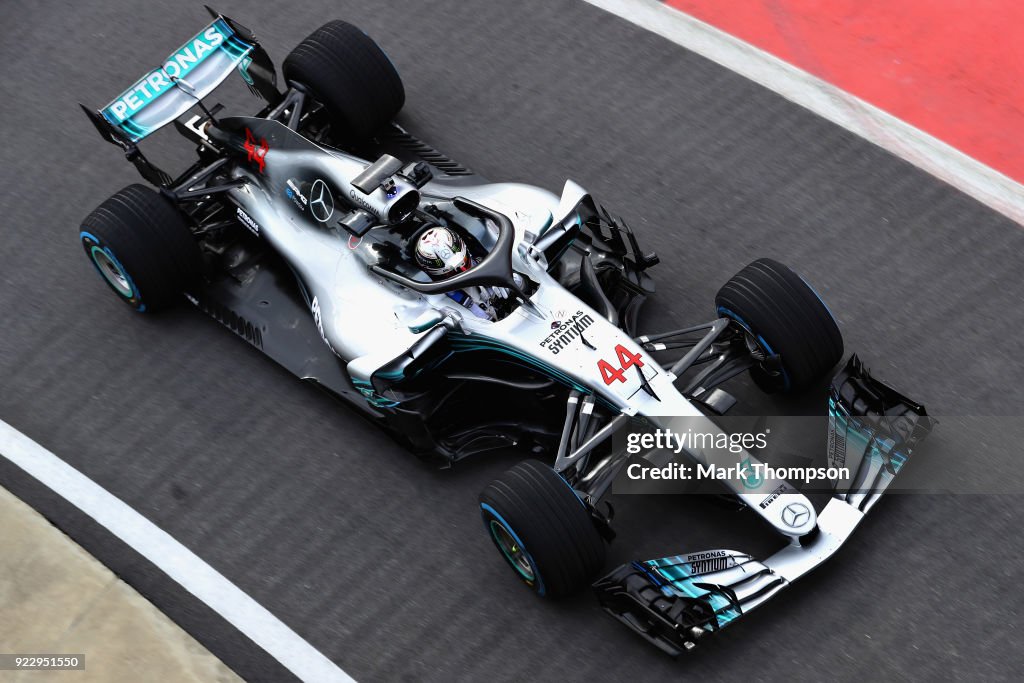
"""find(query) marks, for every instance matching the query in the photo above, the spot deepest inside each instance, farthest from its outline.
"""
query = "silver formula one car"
(466, 316)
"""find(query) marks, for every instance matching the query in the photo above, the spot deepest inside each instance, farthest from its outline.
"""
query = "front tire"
(142, 248)
(350, 75)
(787, 320)
(542, 529)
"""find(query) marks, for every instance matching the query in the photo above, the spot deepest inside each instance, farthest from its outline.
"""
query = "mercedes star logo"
(795, 514)
(321, 203)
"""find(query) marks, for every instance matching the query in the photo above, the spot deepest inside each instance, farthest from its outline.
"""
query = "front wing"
(675, 601)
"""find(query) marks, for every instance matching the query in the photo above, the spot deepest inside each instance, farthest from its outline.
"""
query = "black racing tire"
(787, 318)
(141, 246)
(542, 529)
(350, 75)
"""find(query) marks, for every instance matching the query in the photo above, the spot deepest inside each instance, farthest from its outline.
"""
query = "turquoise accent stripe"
(134, 129)
(371, 395)
(235, 47)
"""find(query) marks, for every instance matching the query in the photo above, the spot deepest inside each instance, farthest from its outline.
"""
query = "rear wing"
(189, 74)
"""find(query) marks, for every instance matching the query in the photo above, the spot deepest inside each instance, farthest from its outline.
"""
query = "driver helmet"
(441, 253)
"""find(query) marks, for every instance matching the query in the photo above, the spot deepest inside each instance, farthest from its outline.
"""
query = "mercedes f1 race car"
(467, 316)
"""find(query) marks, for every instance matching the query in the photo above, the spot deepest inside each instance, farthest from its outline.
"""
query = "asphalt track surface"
(381, 562)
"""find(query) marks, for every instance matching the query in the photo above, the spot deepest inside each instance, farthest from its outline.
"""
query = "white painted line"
(174, 559)
(869, 122)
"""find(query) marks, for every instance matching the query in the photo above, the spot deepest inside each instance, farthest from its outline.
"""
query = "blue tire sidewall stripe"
(508, 528)
(573, 491)
(820, 299)
(136, 294)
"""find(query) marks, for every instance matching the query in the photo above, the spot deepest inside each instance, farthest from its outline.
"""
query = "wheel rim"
(754, 340)
(512, 550)
(111, 271)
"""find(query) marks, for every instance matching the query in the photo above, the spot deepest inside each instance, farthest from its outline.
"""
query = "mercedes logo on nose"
(795, 514)
(321, 203)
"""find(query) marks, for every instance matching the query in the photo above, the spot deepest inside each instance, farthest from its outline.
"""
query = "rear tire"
(542, 529)
(142, 248)
(785, 317)
(350, 75)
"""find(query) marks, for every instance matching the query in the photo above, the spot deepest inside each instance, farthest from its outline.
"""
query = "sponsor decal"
(706, 555)
(772, 497)
(295, 194)
(836, 454)
(321, 203)
(159, 81)
(354, 195)
(564, 332)
(557, 322)
(246, 220)
(795, 514)
(256, 151)
(318, 319)
(710, 561)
